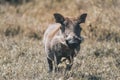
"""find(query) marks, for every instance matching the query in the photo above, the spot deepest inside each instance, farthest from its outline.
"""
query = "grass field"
(23, 23)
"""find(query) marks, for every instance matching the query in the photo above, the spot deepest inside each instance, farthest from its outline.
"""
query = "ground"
(23, 23)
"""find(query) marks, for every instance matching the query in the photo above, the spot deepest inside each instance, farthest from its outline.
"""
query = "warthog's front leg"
(57, 61)
(70, 58)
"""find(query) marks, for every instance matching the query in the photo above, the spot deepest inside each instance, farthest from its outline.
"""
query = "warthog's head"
(70, 29)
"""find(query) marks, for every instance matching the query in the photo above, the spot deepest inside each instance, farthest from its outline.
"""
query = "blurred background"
(23, 23)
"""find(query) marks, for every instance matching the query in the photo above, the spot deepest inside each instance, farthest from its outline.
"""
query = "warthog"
(63, 39)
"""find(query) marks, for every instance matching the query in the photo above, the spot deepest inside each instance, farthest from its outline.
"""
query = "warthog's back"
(51, 31)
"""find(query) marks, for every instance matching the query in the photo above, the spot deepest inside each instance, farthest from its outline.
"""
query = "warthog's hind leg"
(50, 64)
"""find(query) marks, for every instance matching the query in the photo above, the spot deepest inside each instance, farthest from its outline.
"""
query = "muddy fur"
(63, 39)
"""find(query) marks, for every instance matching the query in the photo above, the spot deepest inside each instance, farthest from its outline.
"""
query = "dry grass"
(23, 23)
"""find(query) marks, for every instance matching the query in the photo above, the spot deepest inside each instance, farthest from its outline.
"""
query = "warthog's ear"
(82, 18)
(59, 18)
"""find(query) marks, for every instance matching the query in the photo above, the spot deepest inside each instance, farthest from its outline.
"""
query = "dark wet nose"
(72, 43)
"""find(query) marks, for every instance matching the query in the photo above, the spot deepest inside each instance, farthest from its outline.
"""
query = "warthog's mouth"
(74, 43)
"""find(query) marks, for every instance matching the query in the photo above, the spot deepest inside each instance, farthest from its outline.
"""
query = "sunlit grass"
(22, 26)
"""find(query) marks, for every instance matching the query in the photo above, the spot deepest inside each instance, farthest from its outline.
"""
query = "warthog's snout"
(74, 42)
